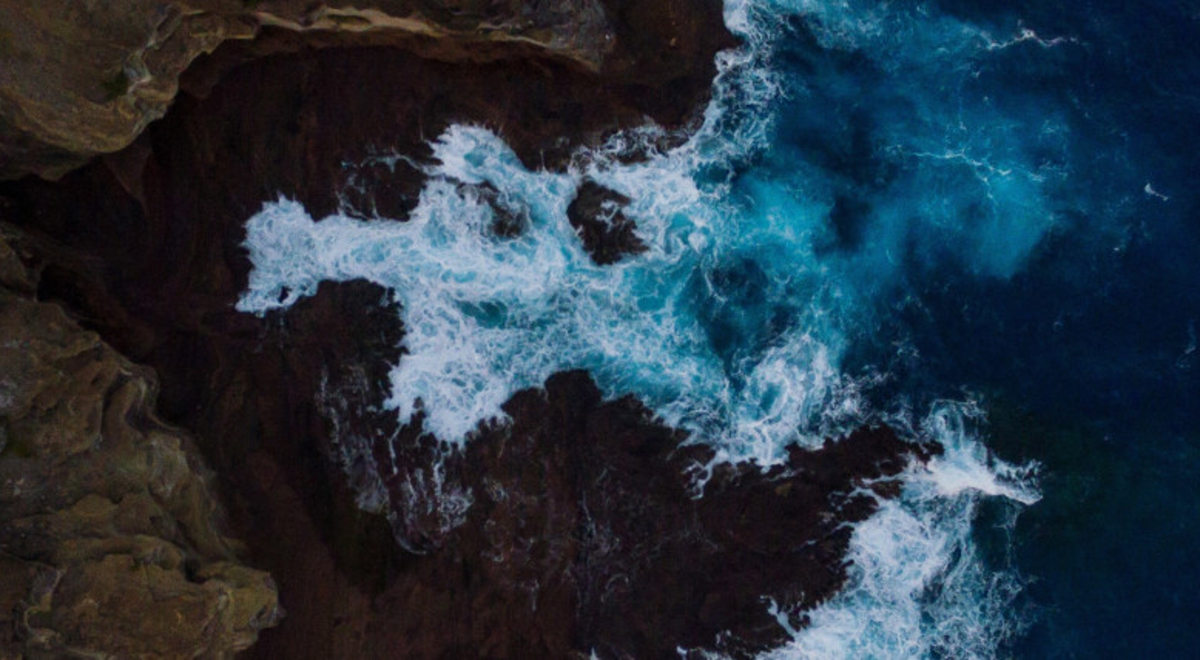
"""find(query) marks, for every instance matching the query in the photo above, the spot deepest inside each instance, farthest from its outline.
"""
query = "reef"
(578, 524)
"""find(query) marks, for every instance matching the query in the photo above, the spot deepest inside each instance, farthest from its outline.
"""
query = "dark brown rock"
(607, 233)
(574, 526)
(582, 524)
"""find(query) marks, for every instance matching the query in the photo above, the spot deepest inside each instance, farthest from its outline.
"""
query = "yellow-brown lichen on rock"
(110, 541)
(79, 79)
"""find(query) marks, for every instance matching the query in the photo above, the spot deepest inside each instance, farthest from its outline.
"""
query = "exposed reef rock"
(607, 233)
(110, 539)
(80, 79)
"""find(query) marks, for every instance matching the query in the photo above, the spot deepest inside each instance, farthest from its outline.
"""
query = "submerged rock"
(110, 533)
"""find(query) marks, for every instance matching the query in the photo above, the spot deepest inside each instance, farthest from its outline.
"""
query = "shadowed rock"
(586, 531)
(607, 233)
(110, 536)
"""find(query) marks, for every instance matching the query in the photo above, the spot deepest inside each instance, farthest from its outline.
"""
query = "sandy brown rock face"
(80, 79)
(110, 536)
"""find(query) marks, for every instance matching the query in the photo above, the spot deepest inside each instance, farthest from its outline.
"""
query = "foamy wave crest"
(486, 315)
(917, 586)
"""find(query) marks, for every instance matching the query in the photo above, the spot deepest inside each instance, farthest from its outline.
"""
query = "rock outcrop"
(84, 78)
(111, 543)
(144, 245)
(598, 217)
(583, 525)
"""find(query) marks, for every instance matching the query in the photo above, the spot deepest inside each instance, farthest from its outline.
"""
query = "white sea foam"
(917, 587)
(487, 315)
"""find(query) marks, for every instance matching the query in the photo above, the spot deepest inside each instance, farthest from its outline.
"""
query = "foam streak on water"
(917, 586)
(846, 144)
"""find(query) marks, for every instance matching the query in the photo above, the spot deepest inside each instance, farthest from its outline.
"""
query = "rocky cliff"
(111, 544)
(86, 78)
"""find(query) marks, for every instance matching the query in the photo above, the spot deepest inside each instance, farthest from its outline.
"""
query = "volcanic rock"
(607, 233)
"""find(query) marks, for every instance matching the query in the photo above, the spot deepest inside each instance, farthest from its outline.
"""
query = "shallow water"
(894, 212)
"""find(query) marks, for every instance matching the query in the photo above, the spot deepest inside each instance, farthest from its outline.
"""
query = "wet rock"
(589, 529)
(110, 532)
(511, 217)
(381, 187)
(597, 216)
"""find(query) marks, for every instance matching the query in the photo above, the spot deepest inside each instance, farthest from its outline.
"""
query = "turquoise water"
(893, 212)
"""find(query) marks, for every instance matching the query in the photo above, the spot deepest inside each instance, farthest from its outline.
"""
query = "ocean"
(974, 223)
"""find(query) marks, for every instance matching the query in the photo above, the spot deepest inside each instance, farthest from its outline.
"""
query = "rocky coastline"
(574, 527)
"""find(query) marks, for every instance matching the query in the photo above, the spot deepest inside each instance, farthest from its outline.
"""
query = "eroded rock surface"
(579, 526)
(84, 78)
(110, 535)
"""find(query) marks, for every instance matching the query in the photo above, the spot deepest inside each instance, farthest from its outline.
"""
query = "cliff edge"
(110, 541)
(84, 78)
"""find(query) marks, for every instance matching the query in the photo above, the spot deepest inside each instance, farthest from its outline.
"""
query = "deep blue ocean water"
(1095, 334)
(975, 222)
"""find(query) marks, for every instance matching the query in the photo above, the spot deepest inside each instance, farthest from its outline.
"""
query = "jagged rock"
(110, 534)
(80, 79)
(578, 526)
(598, 217)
